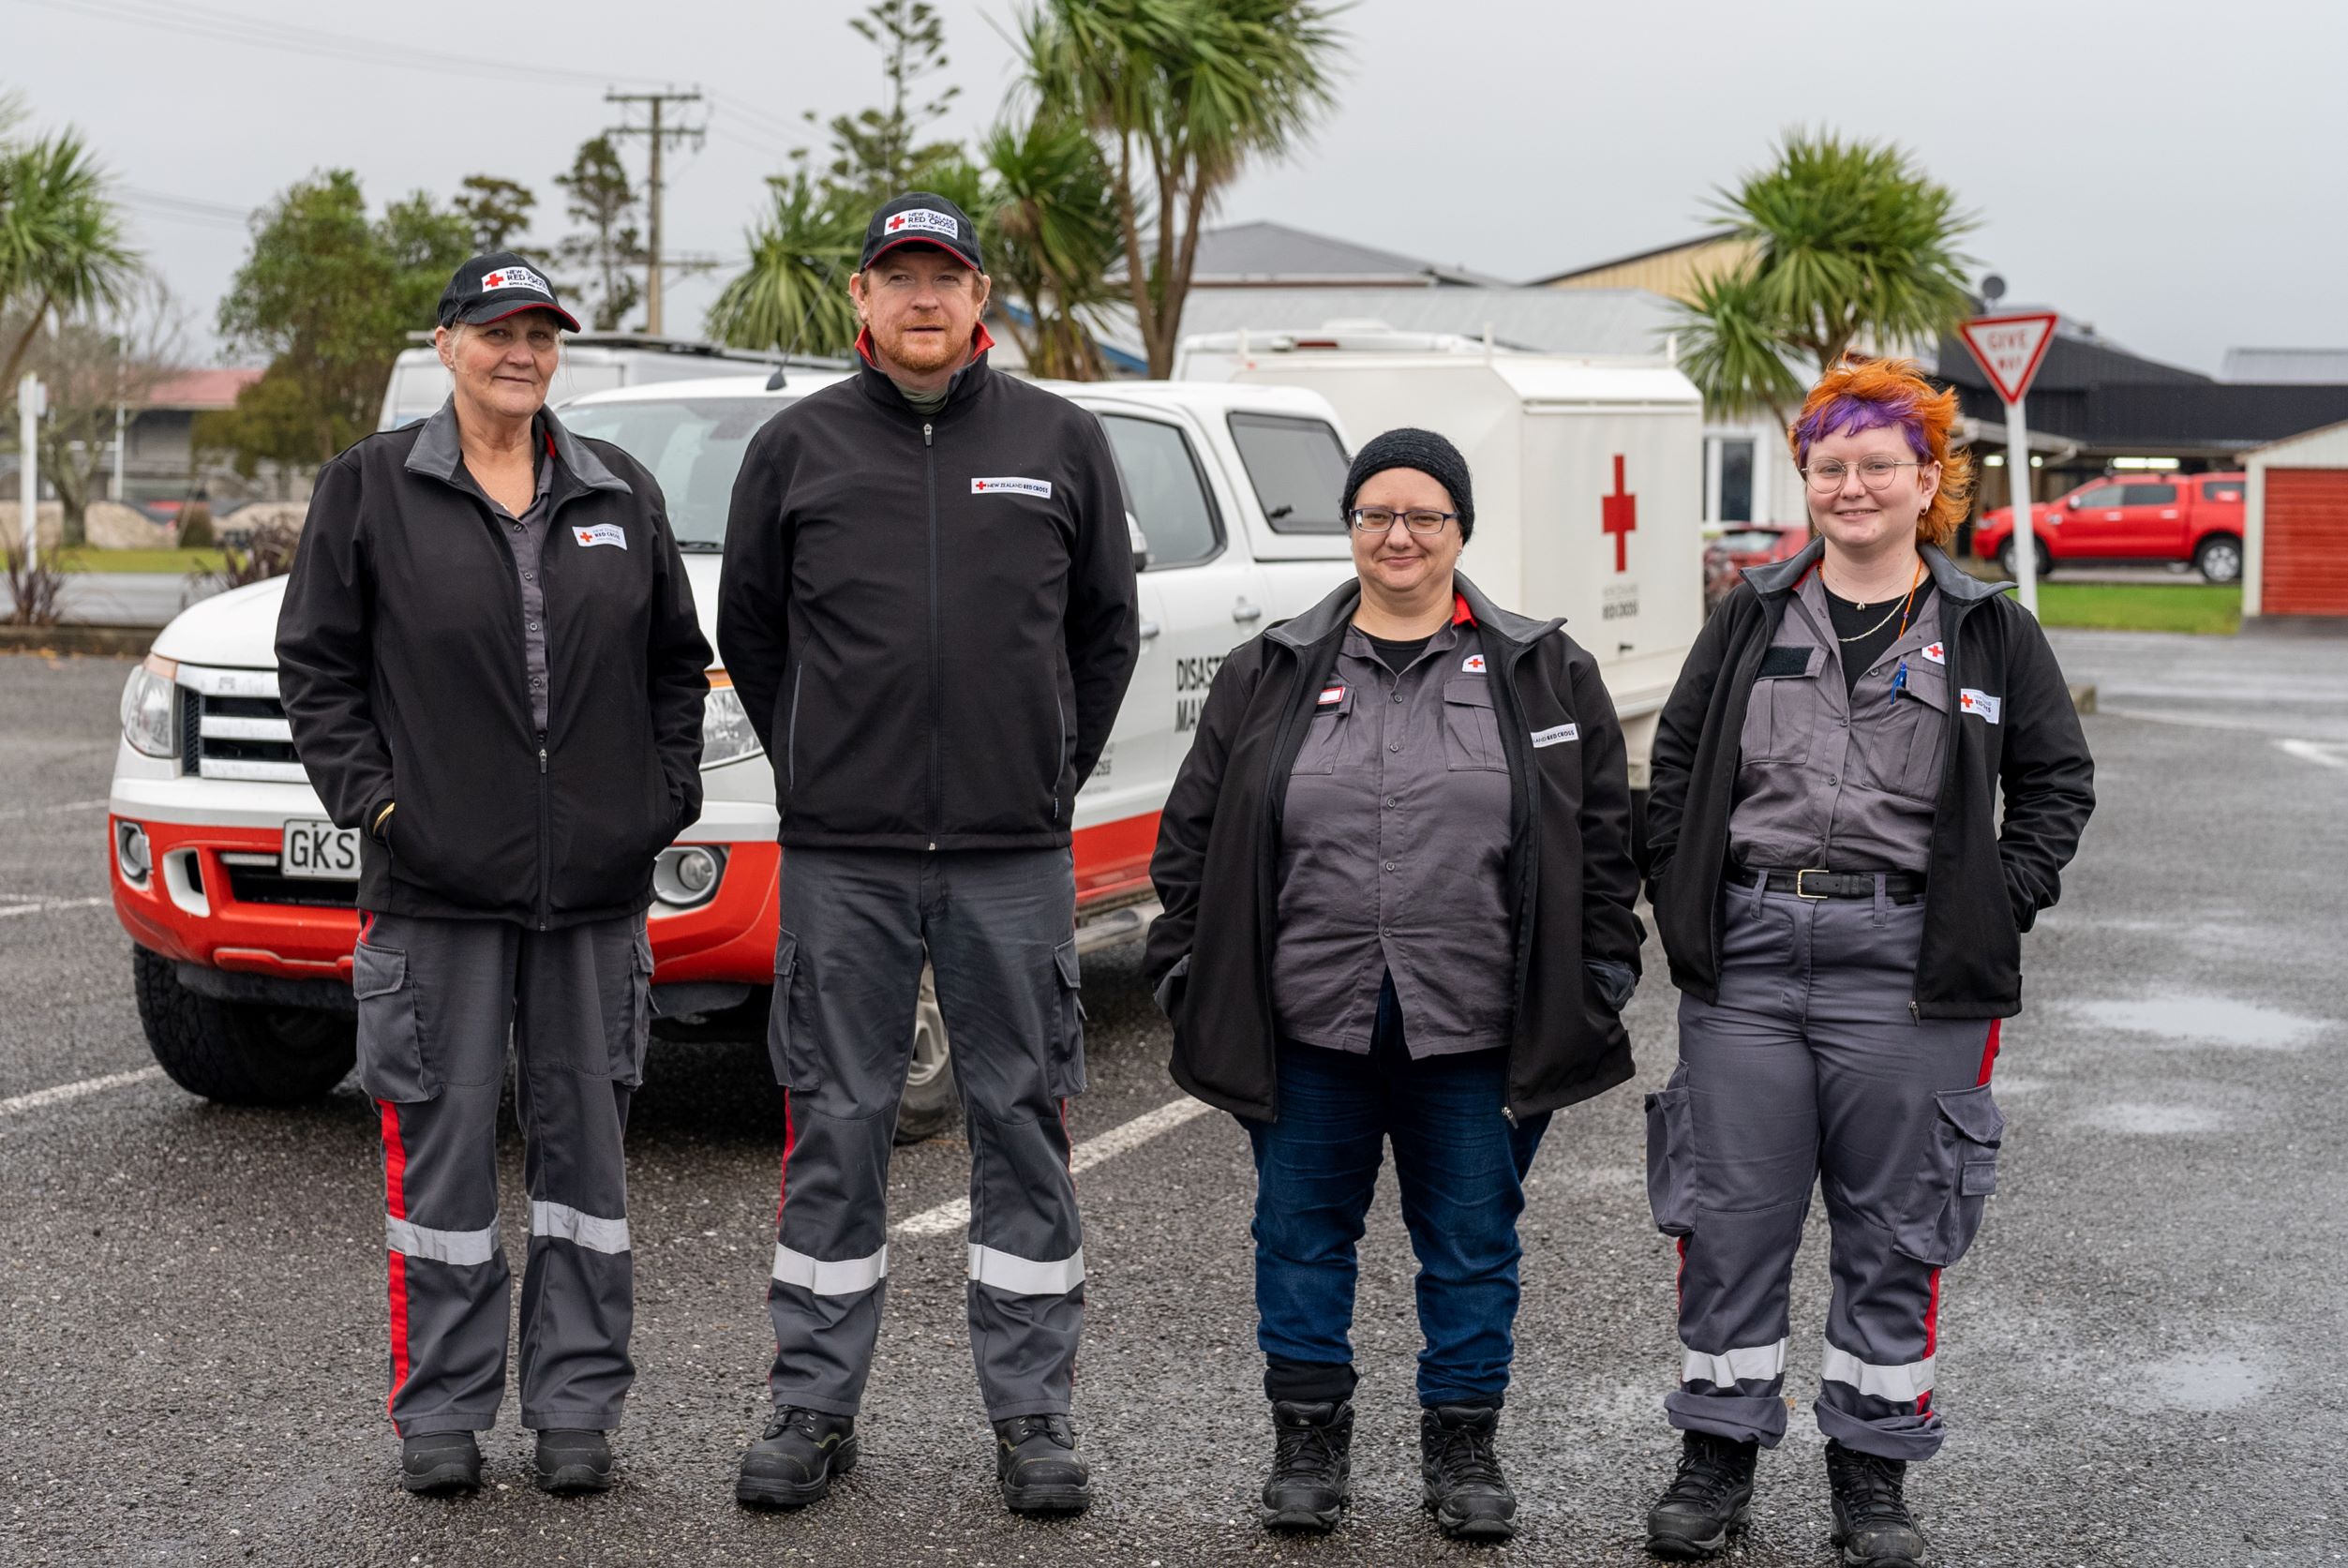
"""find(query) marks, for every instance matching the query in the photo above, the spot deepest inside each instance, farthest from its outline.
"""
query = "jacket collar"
(1954, 581)
(960, 390)
(439, 452)
(1335, 611)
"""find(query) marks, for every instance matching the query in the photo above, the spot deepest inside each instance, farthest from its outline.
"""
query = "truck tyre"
(931, 1105)
(2006, 559)
(239, 1053)
(2218, 559)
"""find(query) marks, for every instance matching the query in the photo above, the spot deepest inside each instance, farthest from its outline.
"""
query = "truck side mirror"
(1140, 543)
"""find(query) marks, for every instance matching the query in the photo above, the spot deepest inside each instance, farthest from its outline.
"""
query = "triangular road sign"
(2008, 349)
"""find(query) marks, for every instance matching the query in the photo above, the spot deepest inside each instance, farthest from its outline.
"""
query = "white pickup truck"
(238, 894)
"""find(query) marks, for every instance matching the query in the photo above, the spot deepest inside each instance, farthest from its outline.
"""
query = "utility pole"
(657, 136)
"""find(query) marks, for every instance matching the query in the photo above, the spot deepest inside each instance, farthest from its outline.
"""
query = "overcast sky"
(2170, 172)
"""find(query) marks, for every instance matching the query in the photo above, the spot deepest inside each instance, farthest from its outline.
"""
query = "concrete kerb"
(72, 638)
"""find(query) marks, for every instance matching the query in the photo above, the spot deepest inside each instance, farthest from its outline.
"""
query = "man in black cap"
(928, 609)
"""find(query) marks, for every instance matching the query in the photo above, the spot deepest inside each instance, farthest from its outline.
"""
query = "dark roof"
(2108, 399)
(1275, 254)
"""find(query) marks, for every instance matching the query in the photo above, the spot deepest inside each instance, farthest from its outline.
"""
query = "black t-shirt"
(1877, 628)
(1397, 656)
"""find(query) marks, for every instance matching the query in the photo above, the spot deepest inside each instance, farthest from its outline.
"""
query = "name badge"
(602, 534)
(1555, 736)
(1331, 696)
(1013, 484)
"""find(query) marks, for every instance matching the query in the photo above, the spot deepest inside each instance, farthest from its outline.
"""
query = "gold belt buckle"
(1810, 871)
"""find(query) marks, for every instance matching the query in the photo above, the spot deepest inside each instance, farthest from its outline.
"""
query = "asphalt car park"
(2136, 1359)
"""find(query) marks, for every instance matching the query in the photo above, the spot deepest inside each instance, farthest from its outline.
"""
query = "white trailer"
(1589, 478)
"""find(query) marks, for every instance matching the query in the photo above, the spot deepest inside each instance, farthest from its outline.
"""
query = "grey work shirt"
(526, 535)
(1835, 780)
(1394, 852)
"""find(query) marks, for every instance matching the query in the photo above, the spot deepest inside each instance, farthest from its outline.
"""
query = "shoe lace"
(1306, 1450)
(1469, 1456)
(1872, 1488)
(1707, 1476)
(790, 1418)
(1057, 1427)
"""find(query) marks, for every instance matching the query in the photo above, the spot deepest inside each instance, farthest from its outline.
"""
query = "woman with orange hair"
(1843, 907)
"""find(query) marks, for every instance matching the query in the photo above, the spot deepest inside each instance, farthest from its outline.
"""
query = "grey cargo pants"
(998, 925)
(437, 1001)
(1810, 1067)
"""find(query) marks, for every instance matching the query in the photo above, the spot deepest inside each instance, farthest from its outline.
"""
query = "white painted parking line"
(1116, 1141)
(2324, 754)
(16, 811)
(46, 906)
(59, 1094)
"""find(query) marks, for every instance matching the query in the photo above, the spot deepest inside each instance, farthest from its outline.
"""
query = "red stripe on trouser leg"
(1678, 1279)
(396, 1204)
(1932, 1337)
(1989, 1052)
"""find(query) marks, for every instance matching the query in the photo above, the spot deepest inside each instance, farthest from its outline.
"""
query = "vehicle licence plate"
(320, 850)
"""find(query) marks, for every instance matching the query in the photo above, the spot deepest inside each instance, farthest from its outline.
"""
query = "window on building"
(1297, 466)
(1736, 482)
(1165, 490)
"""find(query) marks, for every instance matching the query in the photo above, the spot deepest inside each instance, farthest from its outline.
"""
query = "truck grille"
(261, 884)
(231, 725)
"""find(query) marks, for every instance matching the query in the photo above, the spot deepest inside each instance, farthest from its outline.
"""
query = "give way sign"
(2010, 349)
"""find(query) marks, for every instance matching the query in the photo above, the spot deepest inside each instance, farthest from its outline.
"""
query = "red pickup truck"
(2194, 518)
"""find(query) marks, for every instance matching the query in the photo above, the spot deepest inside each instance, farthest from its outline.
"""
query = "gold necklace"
(1878, 626)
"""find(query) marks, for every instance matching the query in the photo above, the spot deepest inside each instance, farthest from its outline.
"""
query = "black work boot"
(1872, 1523)
(1035, 1466)
(1313, 1465)
(1465, 1489)
(1712, 1496)
(570, 1461)
(793, 1464)
(441, 1464)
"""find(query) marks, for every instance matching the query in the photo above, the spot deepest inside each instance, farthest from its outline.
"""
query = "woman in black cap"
(1398, 883)
(489, 658)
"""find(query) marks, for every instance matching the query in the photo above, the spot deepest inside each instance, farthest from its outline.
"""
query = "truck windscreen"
(693, 448)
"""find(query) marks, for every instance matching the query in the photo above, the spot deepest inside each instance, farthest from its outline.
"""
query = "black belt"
(1900, 886)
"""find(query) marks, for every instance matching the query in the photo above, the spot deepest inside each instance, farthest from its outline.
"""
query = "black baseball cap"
(493, 287)
(921, 217)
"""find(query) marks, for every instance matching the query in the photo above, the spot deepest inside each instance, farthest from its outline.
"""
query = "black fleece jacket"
(1986, 881)
(931, 618)
(401, 663)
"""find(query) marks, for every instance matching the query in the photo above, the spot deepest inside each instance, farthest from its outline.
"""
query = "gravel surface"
(191, 1298)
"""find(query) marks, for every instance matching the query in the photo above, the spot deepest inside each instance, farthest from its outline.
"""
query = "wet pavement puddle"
(2204, 1020)
(2212, 1381)
(2154, 1120)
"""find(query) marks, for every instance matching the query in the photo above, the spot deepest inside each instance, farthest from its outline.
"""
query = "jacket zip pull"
(541, 760)
(1915, 1015)
(1509, 1112)
(925, 435)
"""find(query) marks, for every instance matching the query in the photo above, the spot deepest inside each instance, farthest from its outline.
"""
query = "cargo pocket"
(1919, 734)
(1782, 713)
(1672, 1157)
(782, 1015)
(1064, 1074)
(1944, 1207)
(391, 1045)
(1325, 735)
(632, 1044)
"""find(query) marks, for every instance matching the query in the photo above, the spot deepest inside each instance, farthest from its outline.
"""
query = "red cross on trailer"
(1621, 515)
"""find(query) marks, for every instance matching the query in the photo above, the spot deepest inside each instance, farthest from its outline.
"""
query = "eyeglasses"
(1874, 472)
(1381, 519)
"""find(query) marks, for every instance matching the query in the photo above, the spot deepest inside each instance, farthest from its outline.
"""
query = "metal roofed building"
(1274, 256)
(2300, 366)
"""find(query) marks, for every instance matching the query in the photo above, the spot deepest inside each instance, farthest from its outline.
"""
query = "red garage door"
(2306, 567)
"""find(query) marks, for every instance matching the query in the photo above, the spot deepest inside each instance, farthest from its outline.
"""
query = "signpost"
(2010, 349)
(30, 407)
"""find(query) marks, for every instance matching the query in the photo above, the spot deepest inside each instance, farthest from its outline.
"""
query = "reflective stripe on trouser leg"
(579, 1033)
(1899, 1102)
(996, 931)
(1753, 1124)
(842, 1030)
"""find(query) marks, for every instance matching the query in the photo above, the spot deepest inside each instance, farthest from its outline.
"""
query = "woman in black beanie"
(1396, 875)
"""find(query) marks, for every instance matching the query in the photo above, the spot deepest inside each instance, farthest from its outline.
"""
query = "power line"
(657, 138)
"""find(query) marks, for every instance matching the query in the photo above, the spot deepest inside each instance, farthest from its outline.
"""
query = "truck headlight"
(150, 708)
(725, 732)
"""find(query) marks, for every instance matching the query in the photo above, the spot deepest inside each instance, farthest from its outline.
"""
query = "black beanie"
(1423, 450)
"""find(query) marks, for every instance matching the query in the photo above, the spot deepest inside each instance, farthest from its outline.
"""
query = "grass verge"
(2199, 608)
(177, 561)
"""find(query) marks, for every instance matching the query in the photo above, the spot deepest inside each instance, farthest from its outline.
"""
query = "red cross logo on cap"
(493, 280)
(896, 223)
(980, 485)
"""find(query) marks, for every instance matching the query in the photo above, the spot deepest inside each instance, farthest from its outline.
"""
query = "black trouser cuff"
(1307, 1382)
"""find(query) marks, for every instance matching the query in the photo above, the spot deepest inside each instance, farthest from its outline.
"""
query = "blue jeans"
(1462, 1167)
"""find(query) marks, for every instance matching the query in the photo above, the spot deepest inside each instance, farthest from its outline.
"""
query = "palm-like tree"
(62, 248)
(794, 293)
(1852, 242)
(1054, 238)
(1182, 94)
